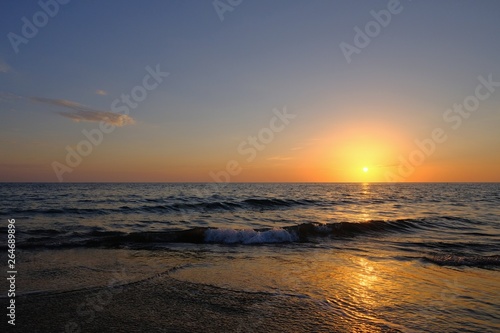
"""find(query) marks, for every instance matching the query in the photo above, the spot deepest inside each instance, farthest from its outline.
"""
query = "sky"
(249, 91)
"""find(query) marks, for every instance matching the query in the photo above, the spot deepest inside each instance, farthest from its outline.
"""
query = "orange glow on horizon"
(361, 152)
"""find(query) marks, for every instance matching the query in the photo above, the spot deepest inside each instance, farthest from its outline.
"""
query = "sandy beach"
(163, 304)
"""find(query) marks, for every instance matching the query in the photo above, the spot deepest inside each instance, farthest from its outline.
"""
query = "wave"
(306, 232)
(471, 261)
(54, 211)
(277, 202)
(161, 206)
(252, 203)
(231, 236)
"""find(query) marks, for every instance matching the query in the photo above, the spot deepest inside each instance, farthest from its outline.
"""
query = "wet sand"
(163, 304)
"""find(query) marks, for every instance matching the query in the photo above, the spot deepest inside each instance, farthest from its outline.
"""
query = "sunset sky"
(259, 91)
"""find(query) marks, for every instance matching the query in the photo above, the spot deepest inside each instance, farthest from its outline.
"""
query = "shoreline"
(165, 304)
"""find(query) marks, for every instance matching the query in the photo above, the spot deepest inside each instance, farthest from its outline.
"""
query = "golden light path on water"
(358, 291)
(354, 290)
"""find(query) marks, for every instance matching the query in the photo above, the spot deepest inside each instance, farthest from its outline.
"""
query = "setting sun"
(365, 169)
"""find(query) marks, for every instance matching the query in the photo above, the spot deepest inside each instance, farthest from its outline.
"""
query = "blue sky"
(226, 77)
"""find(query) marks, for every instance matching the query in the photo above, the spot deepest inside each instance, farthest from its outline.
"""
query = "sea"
(369, 257)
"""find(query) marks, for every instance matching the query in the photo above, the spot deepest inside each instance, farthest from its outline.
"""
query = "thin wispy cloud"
(16, 166)
(8, 96)
(280, 158)
(4, 67)
(81, 112)
(101, 92)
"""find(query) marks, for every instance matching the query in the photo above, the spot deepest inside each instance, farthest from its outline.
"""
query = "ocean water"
(369, 257)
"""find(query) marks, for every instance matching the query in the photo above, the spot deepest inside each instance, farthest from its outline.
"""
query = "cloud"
(4, 67)
(280, 158)
(84, 113)
(20, 166)
(101, 92)
(8, 96)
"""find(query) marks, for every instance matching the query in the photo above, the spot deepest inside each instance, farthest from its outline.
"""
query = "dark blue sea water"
(406, 257)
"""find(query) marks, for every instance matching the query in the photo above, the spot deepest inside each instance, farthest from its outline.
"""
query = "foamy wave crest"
(249, 236)
(305, 232)
(472, 261)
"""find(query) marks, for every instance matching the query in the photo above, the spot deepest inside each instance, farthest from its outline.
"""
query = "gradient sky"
(227, 76)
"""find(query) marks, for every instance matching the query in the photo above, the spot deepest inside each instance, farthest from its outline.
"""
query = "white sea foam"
(249, 236)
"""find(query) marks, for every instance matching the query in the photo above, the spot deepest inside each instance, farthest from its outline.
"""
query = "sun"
(365, 169)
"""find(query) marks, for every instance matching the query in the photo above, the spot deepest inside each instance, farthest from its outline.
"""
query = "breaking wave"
(471, 261)
(96, 237)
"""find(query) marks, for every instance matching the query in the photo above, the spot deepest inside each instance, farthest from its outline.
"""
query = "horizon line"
(254, 182)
